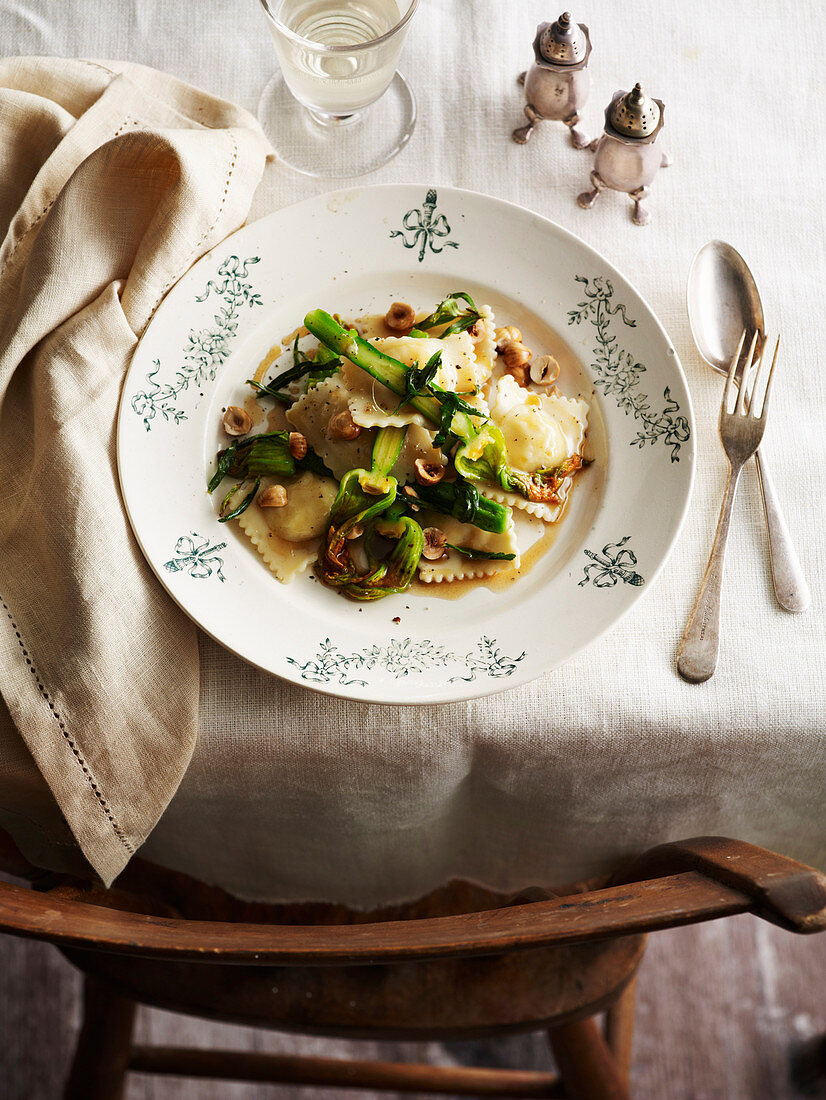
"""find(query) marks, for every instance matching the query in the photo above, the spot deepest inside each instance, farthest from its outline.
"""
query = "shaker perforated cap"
(563, 42)
(635, 114)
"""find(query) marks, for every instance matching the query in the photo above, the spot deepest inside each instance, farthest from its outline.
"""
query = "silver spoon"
(723, 301)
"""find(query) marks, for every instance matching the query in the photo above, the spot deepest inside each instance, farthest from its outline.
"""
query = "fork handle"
(697, 656)
(790, 586)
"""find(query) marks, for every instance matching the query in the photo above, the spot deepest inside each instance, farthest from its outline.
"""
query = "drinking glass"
(338, 107)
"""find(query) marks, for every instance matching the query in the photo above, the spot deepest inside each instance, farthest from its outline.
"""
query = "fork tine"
(769, 379)
(731, 372)
(752, 365)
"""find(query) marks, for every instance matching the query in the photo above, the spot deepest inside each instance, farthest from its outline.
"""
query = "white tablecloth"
(294, 796)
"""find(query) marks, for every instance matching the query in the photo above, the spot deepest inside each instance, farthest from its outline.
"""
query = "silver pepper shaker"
(558, 82)
(627, 157)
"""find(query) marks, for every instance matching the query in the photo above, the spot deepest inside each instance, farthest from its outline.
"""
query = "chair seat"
(453, 998)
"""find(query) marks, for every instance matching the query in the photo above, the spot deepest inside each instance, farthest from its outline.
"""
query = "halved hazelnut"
(544, 370)
(428, 473)
(477, 330)
(297, 444)
(237, 421)
(342, 426)
(400, 317)
(435, 544)
(275, 496)
(507, 335)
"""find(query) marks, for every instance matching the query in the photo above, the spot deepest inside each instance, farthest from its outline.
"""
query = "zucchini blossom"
(363, 499)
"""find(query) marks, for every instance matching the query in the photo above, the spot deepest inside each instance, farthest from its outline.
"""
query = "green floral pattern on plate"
(618, 373)
(205, 350)
(404, 657)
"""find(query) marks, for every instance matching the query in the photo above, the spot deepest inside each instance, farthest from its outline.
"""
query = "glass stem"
(329, 121)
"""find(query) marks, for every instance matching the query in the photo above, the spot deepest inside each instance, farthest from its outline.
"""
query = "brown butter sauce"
(253, 410)
(496, 582)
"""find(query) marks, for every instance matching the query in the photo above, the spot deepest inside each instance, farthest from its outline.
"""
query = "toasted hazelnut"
(514, 354)
(400, 317)
(412, 497)
(435, 544)
(355, 532)
(544, 370)
(273, 497)
(237, 421)
(342, 426)
(477, 330)
(428, 473)
(507, 335)
(519, 374)
(297, 444)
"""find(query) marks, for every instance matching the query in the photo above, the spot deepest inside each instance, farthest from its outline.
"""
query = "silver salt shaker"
(558, 82)
(627, 157)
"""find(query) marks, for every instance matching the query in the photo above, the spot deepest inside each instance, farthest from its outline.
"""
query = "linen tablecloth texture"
(113, 181)
(291, 795)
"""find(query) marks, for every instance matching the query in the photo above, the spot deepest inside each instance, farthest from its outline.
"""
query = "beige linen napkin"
(114, 179)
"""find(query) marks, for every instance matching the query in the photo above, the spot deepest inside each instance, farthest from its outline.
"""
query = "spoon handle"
(790, 586)
(697, 656)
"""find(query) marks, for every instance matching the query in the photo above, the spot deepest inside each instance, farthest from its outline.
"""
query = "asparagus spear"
(384, 368)
(464, 502)
(481, 454)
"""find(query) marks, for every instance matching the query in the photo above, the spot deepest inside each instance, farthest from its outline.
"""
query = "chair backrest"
(673, 884)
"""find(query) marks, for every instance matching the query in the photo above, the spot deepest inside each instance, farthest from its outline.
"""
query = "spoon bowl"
(723, 300)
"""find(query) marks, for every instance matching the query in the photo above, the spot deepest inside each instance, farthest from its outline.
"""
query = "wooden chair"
(461, 963)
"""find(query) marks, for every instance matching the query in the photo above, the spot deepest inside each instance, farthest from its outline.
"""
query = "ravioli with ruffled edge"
(489, 369)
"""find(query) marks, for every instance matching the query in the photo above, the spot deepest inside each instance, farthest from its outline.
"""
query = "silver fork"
(740, 431)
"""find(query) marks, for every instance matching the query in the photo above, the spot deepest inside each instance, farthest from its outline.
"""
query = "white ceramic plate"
(357, 251)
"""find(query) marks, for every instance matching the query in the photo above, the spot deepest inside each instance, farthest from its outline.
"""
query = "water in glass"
(339, 83)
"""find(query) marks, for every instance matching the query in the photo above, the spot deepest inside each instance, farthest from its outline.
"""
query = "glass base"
(337, 148)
